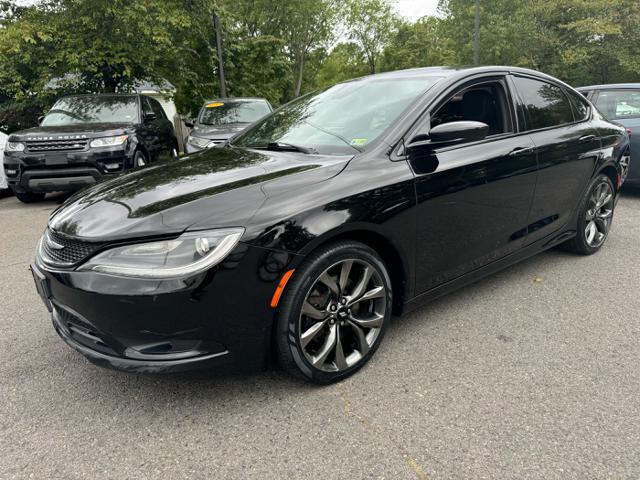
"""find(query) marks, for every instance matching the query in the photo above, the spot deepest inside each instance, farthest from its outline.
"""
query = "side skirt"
(494, 267)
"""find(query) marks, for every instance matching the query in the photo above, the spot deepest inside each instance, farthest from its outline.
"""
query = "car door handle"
(587, 138)
(520, 151)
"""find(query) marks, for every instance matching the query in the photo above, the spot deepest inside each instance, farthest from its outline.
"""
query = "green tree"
(371, 24)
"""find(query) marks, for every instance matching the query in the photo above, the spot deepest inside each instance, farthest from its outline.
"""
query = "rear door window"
(619, 104)
(546, 104)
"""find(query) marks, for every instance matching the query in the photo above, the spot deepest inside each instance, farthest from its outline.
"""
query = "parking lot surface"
(532, 373)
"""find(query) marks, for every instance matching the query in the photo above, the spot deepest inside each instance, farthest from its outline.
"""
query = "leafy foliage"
(280, 49)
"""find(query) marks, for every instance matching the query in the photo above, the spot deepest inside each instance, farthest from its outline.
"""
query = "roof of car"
(448, 71)
(607, 86)
(237, 99)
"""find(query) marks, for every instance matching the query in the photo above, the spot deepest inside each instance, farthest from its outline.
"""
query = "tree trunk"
(476, 36)
(218, 30)
(300, 63)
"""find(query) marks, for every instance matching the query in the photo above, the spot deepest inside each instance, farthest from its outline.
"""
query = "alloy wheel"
(599, 215)
(342, 315)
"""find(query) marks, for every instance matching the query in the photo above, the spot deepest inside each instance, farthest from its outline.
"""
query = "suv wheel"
(139, 159)
(334, 314)
(594, 217)
(30, 197)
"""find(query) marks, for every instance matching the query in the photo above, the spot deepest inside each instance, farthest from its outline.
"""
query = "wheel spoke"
(344, 275)
(330, 282)
(328, 345)
(605, 213)
(601, 224)
(373, 322)
(311, 333)
(341, 362)
(607, 199)
(312, 312)
(590, 232)
(376, 292)
(361, 286)
(362, 339)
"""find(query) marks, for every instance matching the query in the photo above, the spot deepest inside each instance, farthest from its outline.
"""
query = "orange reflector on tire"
(278, 293)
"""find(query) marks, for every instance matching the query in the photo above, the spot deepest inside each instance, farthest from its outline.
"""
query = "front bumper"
(55, 171)
(220, 318)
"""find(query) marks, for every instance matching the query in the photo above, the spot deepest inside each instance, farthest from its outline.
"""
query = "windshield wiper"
(284, 147)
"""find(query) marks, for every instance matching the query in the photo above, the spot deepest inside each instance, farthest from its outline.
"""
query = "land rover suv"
(84, 138)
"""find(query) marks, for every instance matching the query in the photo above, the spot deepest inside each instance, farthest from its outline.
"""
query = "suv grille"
(57, 145)
(61, 251)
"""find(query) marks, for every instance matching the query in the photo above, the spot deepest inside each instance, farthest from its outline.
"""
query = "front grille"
(56, 145)
(83, 333)
(59, 250)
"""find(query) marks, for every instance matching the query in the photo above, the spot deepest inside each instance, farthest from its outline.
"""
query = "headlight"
(199, 142)
(108, 141)
(189, 254)
(14, 147)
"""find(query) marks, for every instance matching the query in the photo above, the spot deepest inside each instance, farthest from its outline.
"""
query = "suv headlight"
(189, 254)
(199, 142)
(14, 147)
(108, 141)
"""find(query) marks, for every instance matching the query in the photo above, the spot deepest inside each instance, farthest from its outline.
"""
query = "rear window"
(619, 104)
(225, 113)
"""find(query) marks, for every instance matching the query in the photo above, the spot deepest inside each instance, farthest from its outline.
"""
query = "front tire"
(139, 159)
(30, 197)
(334, 313)
(594, 217)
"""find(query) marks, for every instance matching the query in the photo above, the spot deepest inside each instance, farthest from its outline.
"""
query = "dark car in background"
(84, 138)
(298, 239)
(621, 103)
(220, 119)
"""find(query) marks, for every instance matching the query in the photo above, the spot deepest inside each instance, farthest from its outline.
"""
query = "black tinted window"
(580, 105)
(546, 104)
(157, 108)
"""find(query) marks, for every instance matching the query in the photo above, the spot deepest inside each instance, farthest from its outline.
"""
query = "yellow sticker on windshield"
(358, 142)
(214, 104)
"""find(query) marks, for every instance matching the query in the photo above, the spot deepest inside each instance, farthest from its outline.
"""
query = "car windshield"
(225, 113)
(88, 109)
(619, 104)
(340, 119)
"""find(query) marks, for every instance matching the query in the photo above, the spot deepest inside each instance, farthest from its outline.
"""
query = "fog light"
(11, 172)
(112, 166)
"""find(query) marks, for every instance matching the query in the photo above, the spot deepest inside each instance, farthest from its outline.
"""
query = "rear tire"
(594, 217)
(334, 313)
(30, 197)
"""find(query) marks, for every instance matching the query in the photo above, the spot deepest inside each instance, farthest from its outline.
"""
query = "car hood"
(210, 189)
(86, 130)
(218, 132)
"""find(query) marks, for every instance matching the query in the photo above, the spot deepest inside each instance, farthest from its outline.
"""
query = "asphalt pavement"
(532, 373)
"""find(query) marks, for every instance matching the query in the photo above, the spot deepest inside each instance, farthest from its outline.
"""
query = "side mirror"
(150, 117)
(40, 119)
(189, 123)
(464, 131)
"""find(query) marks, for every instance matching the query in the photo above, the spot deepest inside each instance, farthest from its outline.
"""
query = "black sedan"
(298, 240)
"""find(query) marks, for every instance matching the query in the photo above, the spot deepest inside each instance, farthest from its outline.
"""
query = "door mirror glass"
(459, 132)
